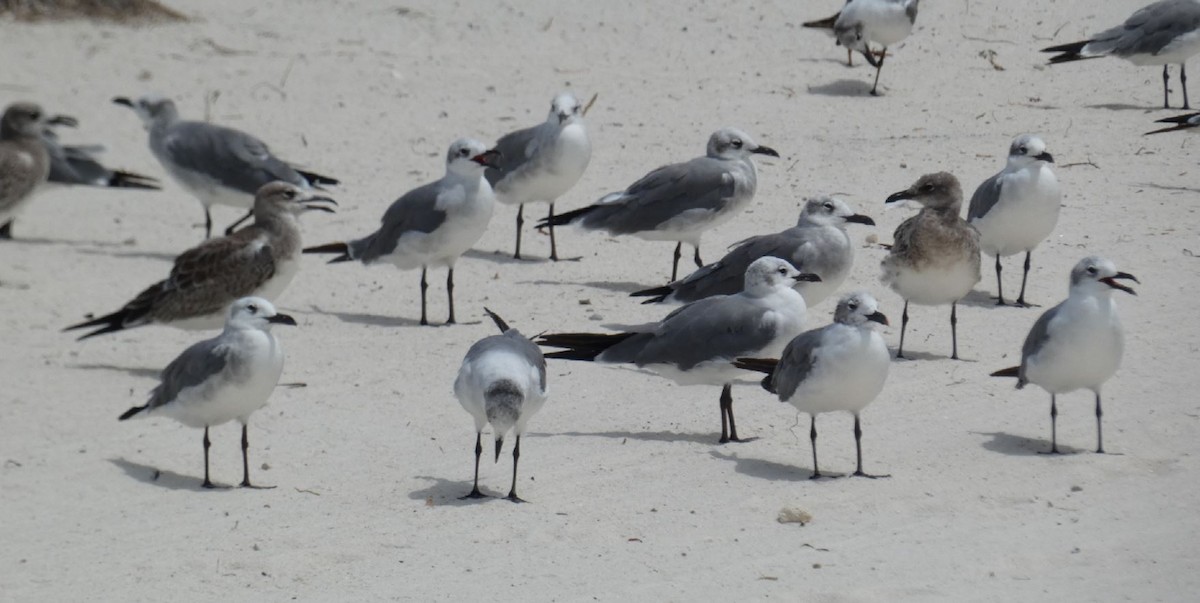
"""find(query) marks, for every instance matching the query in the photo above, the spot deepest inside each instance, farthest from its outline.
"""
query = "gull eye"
(852, 305)
(289, 194)
(35, 115)
(782, 270)
(1091, 270)
(577, 109)
(252, 308)
(736, 142)
(828, 206)
(464, 152)
(1024, 150)
(926, 188)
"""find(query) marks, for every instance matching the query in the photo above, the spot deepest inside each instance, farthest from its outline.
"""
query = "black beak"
(900, 196)
(282, 319)
(878, 317)
(62, 120)
(807, 277)
(317, 203)
(761, 150)
(489, 158)
(499, 445)
(563, 117)
(860, 219)
(121, 100)
(1047, 157)
(1111, 281)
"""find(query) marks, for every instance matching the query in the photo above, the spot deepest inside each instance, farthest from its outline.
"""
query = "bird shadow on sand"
(504, 257)
(648, 436)
(163, 479)
(983, 299)
(129, 253)
(1163, 187)
(917, 356)
(842, 88)
(770, 470)
(378, 320)
(614, 286)
(1016, 445)
(135, 371)
(1122, 107)
(445, 492)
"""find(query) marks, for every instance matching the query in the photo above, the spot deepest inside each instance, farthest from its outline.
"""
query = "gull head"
(938, 191)
(281, 197)
(27, 119)
(564, 109)
(255, 313)
(1097, 275)
(469, 157)
(767, 274)
(1028, 149)
(151, 108)
(732, 143)
(858, 309)
(831, 211)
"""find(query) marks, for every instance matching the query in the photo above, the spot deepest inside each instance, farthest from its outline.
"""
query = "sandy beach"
(631, 498)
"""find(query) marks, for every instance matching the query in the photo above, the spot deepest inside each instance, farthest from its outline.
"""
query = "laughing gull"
(217, 165)
(78, 165)
(1186, 121)
(935, 257)
(1161, 33)
(697, 343)
(502, 381)
(258, 260)
(678, 202)
(224, 378)
(431, 225)
(1016, 210)
(542, 163)
(841, 366)
(884, 22)
(1078, 343)
(24, 161)
(817, 244)
(828, 23)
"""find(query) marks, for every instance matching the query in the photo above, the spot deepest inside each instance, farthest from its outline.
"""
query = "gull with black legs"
(883, 22)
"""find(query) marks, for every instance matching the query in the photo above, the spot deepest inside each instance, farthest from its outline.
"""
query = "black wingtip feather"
(500, 324)
(317, 180)
(580, 346)
(131, 412)
(121, 179)
(826, 23)
(341, 248)
(1012, 371)
(567, 218)
(656, 294)
(111, 323)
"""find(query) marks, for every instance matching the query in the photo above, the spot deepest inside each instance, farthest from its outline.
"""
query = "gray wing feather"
(415, 211)
(512, 341)
(1149, 30)
(516, 149)
(703, 183)
(716, 328)
(727, 275)
(231, 157)
(194, 366)
(1039, 334)
(985, 197)
(797, 362)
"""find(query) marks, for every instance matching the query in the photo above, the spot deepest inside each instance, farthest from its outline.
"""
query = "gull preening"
(1161, 33)
(216, 164)
(431, 225)
(224, 378)
(817, 244)
(883, 22)
(502, 382)
(697, 343)
(1078, 343)
(1016, 209)
(838, 367)
(24, 161)
(679, 202)
(935, 254)
(542, 163)
(258, 260)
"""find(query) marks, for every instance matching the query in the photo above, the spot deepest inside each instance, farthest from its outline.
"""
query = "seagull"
(678, 202)
(542, 163)
(841, 366)
(217, 165)
(828, 23)
(431, 225)
(78, 165)
(24, 161)
(1016, 210)
(884, 22)
(697, 343)
(224, 378)
(1160, 33)
(935, 257)
(1186, 121)
(1078, 343)
(817, 244)
(258, 260)
(502, 382)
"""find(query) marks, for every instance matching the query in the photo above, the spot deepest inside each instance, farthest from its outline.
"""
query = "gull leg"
(512, 492)
(675, 263)
(727, 414)
(207, 223)
(1099, 427)
(520, 226)
(1166, 96)
(812, 436)
(999, 283)
(450, 294)
(6, 231)
(903, 328)
(1183, 84)
(246, 463)
(696, 258)
(424, 288)
(1024, 277)
(1053, 426)
(207, 444)
(858, 449)
(553, 241)
(849, 58)
(954, 331)
(233, 227)
(878, 68)
(475, 493)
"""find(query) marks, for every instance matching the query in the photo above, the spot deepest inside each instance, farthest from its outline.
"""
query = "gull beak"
(878, 317)
(489, 158)
(563, 117)
(62, 120)
(1047, 157)
(768, 151)
(860, 219)
(1111, 281)
(282, 319)
(121, 100)
(807, 277)
(903, 195)
(319, 204)
(499, 445)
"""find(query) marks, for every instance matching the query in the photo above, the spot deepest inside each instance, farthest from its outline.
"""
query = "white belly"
(1022, 219)
(934, 285)
(442, 247)
(209, 406)
(553, 178)
(1083, 354)
(848, 375)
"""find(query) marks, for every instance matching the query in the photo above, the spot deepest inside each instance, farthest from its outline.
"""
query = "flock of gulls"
(745, 313)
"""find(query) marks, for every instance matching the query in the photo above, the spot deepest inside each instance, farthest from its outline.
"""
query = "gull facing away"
(697, 343)
(217, 165)
(502, 382)
(542, 163)
(1078, 343)
(817, 244)
(431, 225)
(841, 366)
(884, 22)
(678, 202)
(1016, 209)
(828, 23)
(224, 378)
(259, 260)
(1161, 33)
(1186, 121)
(24, 161)
(935, 255)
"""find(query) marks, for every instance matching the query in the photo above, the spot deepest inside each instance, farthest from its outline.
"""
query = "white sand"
(630, 497)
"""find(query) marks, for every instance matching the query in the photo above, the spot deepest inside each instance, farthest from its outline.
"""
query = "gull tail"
(132, 314)
(317, 180)
(760, 365)
(132, 412)
(656, 295)
(1069, 52)
(581, 346)
(826, 23)
(342, 248)
(567, 218)
(500, 324)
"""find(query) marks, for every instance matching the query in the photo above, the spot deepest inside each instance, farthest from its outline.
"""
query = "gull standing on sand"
(258, 260)
(502, 381)
(24, 161)
(1016, 210)
(1078, 343)
(817, 244)
(884, 22)
(697, 343)
(1161, 33)
(841, 366)
(542, 163)
(217, 165)
(78, 165)
(935, 254)
(224, 378)
(679, 202)
(828, 23)
(431, 225)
